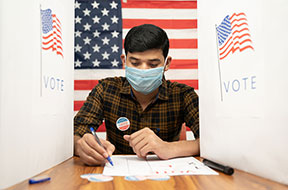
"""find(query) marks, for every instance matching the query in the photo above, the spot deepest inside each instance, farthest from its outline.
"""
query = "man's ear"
(168, 62)
(122, 56)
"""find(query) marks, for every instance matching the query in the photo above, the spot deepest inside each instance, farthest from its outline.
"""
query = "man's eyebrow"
(133, 58)
(150, 60)
(154, 60)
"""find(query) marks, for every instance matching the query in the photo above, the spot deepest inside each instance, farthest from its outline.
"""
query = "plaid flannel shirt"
(112, 98)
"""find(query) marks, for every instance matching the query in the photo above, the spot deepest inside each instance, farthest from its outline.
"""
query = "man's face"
(145, 60)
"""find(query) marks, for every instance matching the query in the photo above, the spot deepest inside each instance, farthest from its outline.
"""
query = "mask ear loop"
(165, 62)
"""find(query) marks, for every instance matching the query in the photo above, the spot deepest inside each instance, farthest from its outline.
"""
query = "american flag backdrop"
(51, 32)
(233, 34)
(101, 26)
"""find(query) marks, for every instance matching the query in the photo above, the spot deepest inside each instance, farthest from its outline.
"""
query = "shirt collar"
(126, 88)
(163, 89)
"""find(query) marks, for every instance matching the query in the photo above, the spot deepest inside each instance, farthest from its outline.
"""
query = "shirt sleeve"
(191, 117)
(91, 113)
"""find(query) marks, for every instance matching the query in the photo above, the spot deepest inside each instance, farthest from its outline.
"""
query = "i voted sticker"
(135, 178)
(123, 123)
(100, 178)
(159, 177)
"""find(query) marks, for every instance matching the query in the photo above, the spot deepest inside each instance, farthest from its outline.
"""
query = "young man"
(154, 107)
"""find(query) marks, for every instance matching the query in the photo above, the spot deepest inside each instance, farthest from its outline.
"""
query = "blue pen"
(99, 142)
(39, 179)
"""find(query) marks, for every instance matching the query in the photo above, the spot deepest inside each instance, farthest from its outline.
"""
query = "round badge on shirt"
(123, 123)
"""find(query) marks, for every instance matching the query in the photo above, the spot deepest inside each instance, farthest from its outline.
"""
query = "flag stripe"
(161, 5)
(174, 33)
(159, 13)
(237, 15)
(168, 24)
(78, 105)
(181, 43)
(184, 64)
(84, 84)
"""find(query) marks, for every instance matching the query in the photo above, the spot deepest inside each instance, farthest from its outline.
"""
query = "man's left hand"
(145, 141)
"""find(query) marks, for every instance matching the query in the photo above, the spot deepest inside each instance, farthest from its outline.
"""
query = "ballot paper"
(131, 165)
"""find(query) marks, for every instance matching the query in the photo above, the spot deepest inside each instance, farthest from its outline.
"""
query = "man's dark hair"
(146, 37)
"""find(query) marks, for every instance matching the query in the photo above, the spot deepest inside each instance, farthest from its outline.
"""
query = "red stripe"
(241, 19)
(238, 25)
(183, 43)
(60, 53)
(59, 47)
(59, 36)
(78, 105)
(192, 83)
(84, 84)
(52, 46)
(160, 4)
(166, 24)
(46, 37)
(184, 64)
(180, 43)
(243, 14)
(240, 49)
(53, 15)
(46, 43)
(57, 26)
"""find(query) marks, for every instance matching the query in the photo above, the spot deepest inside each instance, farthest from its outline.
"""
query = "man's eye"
(153, 65)
(135, 63)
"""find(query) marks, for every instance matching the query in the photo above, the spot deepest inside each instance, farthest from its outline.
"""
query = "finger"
(88, 150)
(86, 159)
(141, 144)
(139, 147)
(134, 141)
(126, 137)
(144, 150)
(110, 148)
(91, 141)
(144, 130)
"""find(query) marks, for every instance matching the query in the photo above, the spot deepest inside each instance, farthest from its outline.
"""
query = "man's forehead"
(147, 55)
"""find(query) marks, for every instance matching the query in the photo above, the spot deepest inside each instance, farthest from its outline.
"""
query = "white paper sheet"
(131, 165)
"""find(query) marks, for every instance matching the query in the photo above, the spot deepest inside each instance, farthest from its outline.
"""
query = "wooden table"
(66, 176)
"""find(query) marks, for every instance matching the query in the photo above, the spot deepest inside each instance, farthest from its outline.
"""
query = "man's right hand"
(90, 152)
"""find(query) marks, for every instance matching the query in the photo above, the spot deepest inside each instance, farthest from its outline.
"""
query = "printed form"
(131, 165)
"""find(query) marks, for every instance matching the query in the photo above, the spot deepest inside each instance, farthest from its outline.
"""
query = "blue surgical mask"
(144, 80)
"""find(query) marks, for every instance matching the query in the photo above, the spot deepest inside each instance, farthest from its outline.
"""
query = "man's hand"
(90, 152)
(145, 141)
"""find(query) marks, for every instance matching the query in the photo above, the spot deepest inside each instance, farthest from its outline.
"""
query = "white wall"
(36, 126)
(248, 129)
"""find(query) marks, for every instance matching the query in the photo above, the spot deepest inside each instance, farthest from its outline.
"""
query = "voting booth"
(36, 87)
(243, 84)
